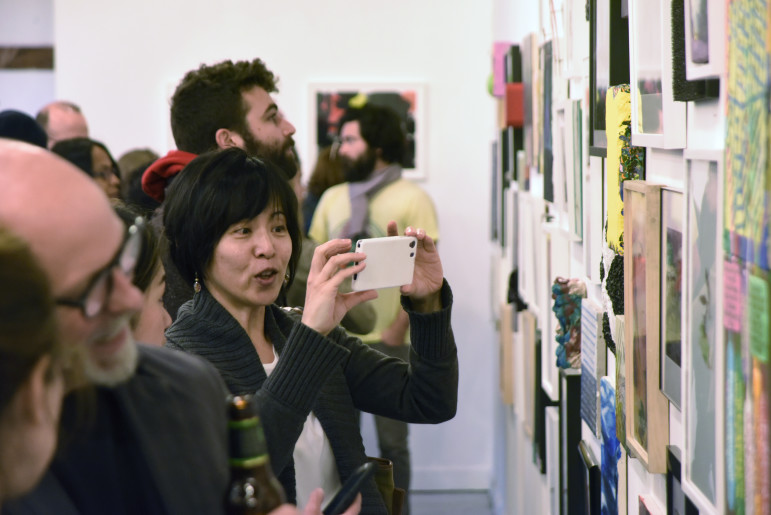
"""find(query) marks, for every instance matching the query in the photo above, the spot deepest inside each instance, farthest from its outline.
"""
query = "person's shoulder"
(171, 363)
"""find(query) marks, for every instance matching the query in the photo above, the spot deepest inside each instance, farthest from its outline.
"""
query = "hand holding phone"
(350, 489)
(390, 262)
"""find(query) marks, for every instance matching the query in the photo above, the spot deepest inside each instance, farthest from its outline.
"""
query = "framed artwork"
(705, 23)
(700, 352)
(530, 70)
(620, 329)
(541, 402)
(495, 181)
(677, 501)
(649, 506)
(611, 451)
(546, 319)
(591, 476)
(558, 265)
(330, 100)
(672, 285)
(657, 120)
(547, 147)
(559, 134)
(608, 64)
(527, 327)
(571, 491)
(594, 200)
(647, 410)
(527, 259)
(553, 458)
(568, 164)
(593, 363)
(506, 354)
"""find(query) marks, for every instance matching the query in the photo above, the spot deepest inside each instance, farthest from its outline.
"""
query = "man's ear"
(32, 393)
(227, 138)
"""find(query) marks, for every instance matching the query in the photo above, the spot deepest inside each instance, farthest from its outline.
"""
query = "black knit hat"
(21, 126)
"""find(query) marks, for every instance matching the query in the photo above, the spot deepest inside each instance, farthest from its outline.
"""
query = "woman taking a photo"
(233, 231)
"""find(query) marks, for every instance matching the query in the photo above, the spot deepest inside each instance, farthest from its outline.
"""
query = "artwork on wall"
(530, 74)
(593, 363)
(494, 194)
(704, 44)
(747, 199)
(567, 295)
(672, 284)
(571, 490)
(701, 345)
(657, 120)
(330, 100)
(608, 64)
(592, 478)
(553, 458)
(677, 500)
(620, 381)
(647, 410)
(527, 326)
(547, 148)
(572, 167)
(611, 449)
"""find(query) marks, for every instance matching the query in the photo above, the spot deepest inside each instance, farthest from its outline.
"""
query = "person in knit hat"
(21, 126)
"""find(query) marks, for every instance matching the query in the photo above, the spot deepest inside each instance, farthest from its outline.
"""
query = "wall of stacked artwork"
(631, 190)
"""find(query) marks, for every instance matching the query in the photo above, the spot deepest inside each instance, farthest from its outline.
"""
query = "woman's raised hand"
(424, 291)
(325, 305)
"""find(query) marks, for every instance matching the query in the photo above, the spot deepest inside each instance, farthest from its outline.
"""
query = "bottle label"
(247, 442)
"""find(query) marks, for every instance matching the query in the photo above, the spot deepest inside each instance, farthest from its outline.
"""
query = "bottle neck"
(247, 443)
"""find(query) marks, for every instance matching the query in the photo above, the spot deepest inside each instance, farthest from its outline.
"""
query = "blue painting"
(611, 448)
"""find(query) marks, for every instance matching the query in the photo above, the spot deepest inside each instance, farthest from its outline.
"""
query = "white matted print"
(329, 101)
(657, 120)
(705, 25)
(702, 356)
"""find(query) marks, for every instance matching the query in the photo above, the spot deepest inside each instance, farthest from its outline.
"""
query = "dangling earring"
(197, 284)
(286, 278)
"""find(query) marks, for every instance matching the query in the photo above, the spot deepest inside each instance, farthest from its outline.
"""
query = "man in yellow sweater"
(372, 145)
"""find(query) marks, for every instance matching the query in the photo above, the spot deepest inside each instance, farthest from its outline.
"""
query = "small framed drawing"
(702, 340)
(608, 64)
(672, 285)
(677, 501)
(647, 410)
(592, 480)
(553, 458)
(330, 100)
(705, 25)
(593, 363)
(657, 120)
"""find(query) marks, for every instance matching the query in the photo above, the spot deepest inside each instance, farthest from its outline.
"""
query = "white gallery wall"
(120, 60)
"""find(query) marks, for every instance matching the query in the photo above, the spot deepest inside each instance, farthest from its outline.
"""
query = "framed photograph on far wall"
(330, 100)
(705, 25)
(608, 64)
(657, 120)
(647, 410)
(677, 501)
(702, 349)
(672, 285)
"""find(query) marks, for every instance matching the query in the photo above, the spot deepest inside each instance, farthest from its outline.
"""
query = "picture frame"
(647, 409)
(530, 74)
(527, 258)
(672, 287)
(571, 492)
(608, 64)
(611, 452)
(527, 327)
(677, 500)
(594, 202)
(593, 364)
(546, 154)
(328, 101)
(657, 119)
(546, 318)
(620, 386)
(703, 339)
(591, 476)
(705, 22)
(553, 459)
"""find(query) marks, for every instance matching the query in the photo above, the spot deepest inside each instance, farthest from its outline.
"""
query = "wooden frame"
(647, 410)
(657, 120)
(608, 64)
(672, 287)
(593, 364)
(705, 25)
(407, 99)
(702, 350)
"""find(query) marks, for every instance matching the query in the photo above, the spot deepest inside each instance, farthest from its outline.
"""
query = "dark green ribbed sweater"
(334, 376)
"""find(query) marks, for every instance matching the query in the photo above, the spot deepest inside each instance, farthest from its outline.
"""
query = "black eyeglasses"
(99, 289)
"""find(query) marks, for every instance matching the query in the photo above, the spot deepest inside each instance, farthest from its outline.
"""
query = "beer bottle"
(253, 489)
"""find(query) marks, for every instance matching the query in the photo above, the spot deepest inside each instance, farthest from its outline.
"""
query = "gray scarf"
(360, 194)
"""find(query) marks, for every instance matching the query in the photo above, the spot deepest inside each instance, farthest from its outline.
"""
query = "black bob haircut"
(216, 190)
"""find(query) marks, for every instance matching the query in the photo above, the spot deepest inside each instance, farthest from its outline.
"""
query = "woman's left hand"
(424, 291)
(325, 306)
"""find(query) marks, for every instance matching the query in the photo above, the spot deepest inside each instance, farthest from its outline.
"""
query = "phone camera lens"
(355, 276)
(412, 254)
(412, 244)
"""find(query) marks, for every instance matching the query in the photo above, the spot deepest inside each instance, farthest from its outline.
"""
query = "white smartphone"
(390, 262)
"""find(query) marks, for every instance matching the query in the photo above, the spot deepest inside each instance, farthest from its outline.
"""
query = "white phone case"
(390, 262)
